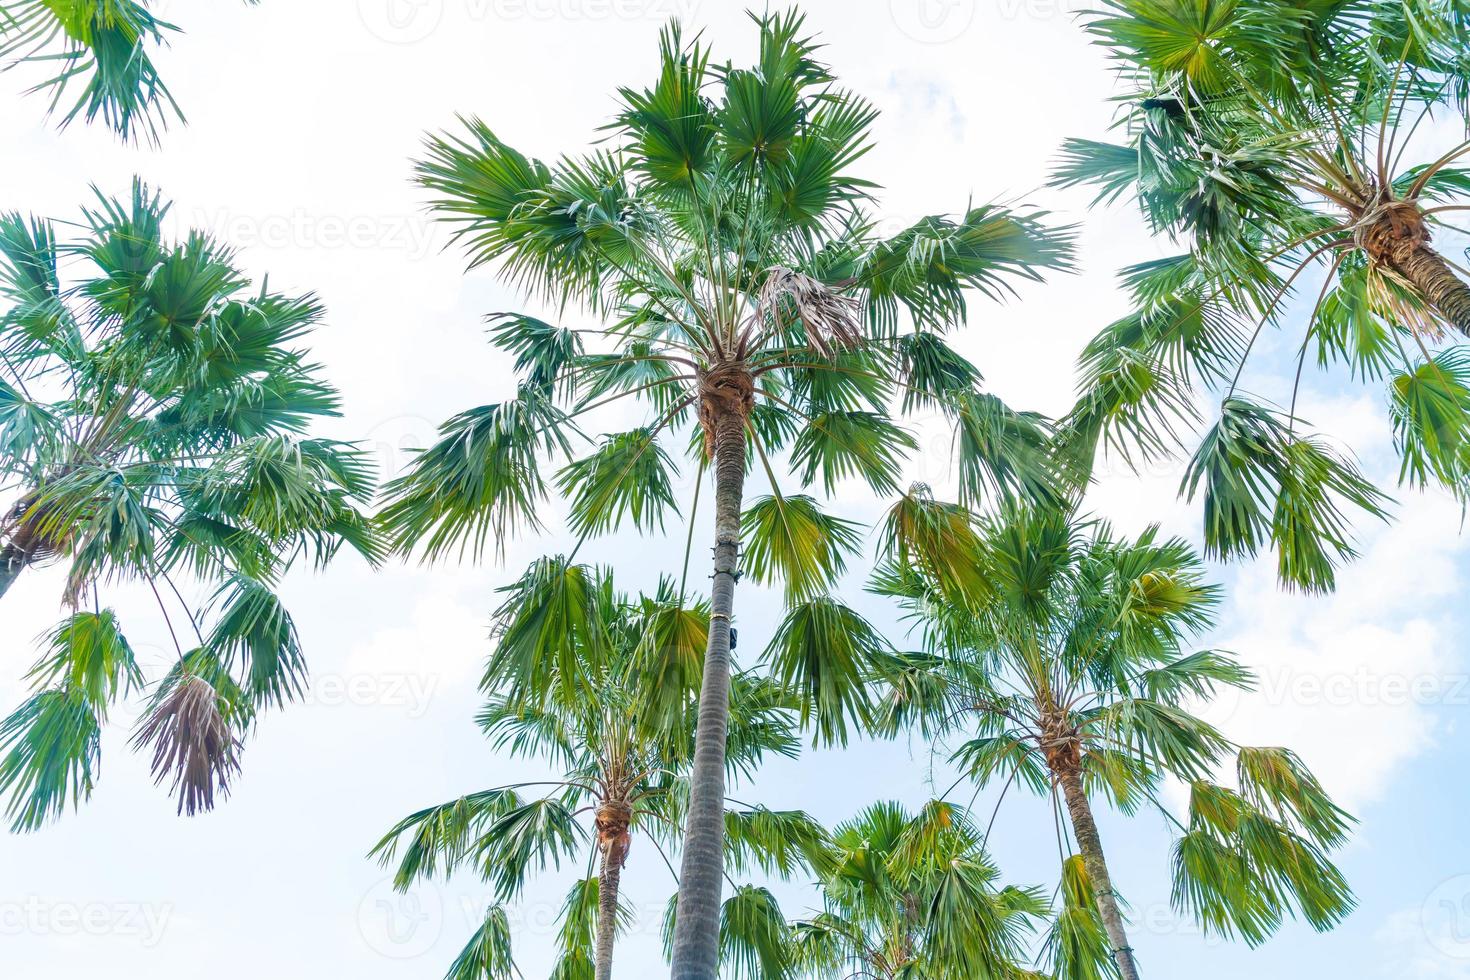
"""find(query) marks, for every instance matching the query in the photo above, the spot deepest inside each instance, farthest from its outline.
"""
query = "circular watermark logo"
(932, 21)
(400, 925)
(1445, 916)
(396, 442)
(400, 21)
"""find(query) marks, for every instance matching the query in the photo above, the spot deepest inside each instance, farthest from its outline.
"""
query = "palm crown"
(1271, 138)
(730, 245)
(151, 429)
(748, 295)
(915, 896)
(602, 704)
(1060, 654)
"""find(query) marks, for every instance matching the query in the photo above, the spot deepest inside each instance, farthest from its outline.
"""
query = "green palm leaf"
(52, 745)
(487, 956)
(827, 652)
(789, 540)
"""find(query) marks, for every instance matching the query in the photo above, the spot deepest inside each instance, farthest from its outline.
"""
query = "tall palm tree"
(913, 897)
(152, 420)
(726, 242)
(1060, 652)
(1271, 139)
(105, 45)
(618, 723)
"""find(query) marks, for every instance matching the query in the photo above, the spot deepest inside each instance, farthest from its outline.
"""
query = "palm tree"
(107, 46)
(724, 238)
(613, 708)
(913, 897)
(1269, 139)
(1059, 651)
(151, 427)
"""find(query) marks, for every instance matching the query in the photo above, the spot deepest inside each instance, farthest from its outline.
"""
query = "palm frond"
(487, 956)
(754, 936)
(440, 838)
(827, 652)
(540, 833)
(193, 744)
(629, 474)
(480, 480)
(89, 655)
(790, 541)
(52, 746)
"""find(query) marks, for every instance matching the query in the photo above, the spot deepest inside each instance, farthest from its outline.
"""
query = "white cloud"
(1430, 942)
(1352, 681)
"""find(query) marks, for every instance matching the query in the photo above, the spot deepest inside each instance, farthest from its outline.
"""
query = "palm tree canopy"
(153, 428)
(725, 240)
(1269, 139)
(916, 896)
(602, 686)
(1072, 652)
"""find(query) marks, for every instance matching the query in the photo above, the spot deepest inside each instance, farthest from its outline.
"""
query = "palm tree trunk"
(1090, 844)
(608, 877)
(697, 922)
(1433, 279)
(22, 542)
(12, 563)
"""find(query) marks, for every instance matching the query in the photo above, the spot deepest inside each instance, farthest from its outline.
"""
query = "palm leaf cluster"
(1057, 655)
(728, 250)
(916, 896)
(602, 686)
(104, 47)
(1292, 150)
(154, 410)
(726, 243)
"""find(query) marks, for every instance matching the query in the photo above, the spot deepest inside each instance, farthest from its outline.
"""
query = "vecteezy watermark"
(1358, 688)
(143, 921)
(1161, 919)
(411, 21)
(1363, 686)
(1445, 917)
(408, 234)
(410, 693)
(400, 925)
(1041, 9)
(396, 442)
(942, 21)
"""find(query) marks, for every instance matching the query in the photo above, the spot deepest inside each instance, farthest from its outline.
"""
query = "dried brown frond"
(192, 741)
(829, 320)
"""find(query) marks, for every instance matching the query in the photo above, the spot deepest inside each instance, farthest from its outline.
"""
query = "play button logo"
(933, 21)
(401, 21)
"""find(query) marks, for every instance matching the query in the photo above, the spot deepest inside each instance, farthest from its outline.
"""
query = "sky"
(303, 122)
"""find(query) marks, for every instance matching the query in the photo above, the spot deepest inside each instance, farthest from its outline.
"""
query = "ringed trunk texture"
(1436, 282)
(1395, 234)
(697, 923)
(1090, 844)
(608, 877)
